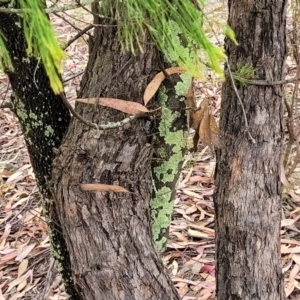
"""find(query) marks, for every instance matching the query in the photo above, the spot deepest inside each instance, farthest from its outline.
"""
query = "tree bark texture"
(108, 234)
(248, 188)
(44, 120)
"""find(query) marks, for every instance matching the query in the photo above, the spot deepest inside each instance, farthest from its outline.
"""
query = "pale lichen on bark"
(171, 154)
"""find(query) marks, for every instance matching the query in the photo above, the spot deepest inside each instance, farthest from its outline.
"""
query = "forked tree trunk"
(248, 189)
(108, 234)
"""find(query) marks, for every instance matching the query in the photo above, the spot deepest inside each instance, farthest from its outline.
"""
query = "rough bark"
(109, 234)
(44, 120)
(248, 189)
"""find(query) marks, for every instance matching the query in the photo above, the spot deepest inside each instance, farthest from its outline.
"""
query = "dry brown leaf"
(191, 210)
(23, 252)
(204, 129)
(15, 282)
(287, 222)
(296, 258)
(155, 83)
(22, 285)
(283, 178)
(213, 125)
(197, 234)
(285, 250)
(6, 232)
(22, 267)
(4, 188)
(8, 257)
(14, 177)
(175, 267)
(128, 107)
(98, 187)
(181, 237)
(196, 114)
(1, 295)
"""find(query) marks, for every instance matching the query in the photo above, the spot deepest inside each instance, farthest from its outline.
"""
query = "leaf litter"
(26, 266)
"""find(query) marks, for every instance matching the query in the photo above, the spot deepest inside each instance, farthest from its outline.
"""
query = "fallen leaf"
(204, 129)
(287, 222)
(24, 252)
(6, 232)
(197, 234)
(22, 267)
(283, 178)
(296, 259)
(8, 257)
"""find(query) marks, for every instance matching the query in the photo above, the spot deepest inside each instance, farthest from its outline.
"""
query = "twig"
(77, 36)
(47, 10)
(72, 77)
(75, 114)
(48, 279)
(240, 101)
(266, 82)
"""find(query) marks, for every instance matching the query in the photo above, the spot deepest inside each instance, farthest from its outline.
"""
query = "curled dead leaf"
(155, 83)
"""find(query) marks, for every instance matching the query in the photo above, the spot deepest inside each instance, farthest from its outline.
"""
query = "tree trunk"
(108, 234)
(248, 188)
(44, 120)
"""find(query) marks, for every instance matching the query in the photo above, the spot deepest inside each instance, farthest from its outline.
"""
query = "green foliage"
(230, 33)
(171, 25)
(161, 18)
(41, 41)
(5, 59)
(244, 73)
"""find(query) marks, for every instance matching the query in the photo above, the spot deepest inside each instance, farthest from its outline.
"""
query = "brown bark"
(44, 120)
(108, 234)
(248, 189)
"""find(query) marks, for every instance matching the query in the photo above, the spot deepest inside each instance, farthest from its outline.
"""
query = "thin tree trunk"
(109, 234)
(44, 120)
(248, 189)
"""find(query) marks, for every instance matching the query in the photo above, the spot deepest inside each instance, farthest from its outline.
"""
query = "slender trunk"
(248, 189)
(44, 120)
(109, 234)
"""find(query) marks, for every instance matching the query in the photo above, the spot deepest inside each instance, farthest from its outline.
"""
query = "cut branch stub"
(128, 107)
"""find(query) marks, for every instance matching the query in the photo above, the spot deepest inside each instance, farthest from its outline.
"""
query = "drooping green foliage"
(5, 59)
(134, 16)
(230, 33)
(164, 19)
(41, 40)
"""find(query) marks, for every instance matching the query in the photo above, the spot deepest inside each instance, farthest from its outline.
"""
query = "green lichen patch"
(170, 152)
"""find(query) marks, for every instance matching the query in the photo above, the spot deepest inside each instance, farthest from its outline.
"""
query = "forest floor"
(26, 266)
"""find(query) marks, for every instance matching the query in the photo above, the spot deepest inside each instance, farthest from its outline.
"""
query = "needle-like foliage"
(171, 24)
